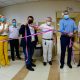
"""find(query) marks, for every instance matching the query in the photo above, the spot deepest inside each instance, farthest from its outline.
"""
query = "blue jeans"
(30, 51)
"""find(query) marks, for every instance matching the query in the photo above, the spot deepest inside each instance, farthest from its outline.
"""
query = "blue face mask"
(66, 16)
(14, 24)
(3, 19)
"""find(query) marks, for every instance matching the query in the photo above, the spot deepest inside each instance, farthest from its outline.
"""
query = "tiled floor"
(70, 74)
(66, 73)
(8, 72)
(41, 72)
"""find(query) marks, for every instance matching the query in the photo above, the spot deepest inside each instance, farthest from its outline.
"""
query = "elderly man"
(47, 41)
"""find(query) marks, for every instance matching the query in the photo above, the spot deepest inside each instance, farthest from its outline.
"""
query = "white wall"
(39, 10)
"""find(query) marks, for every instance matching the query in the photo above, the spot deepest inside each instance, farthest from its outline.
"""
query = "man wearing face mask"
(28, 43)
(47, 41)
(4, 45)
(14, 42)
(67, 28)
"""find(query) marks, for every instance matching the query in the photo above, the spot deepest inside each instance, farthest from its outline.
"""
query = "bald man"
(47, 41)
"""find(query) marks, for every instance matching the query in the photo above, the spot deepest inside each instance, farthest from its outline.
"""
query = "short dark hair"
(13, 19)
(66, 12)
(49, 18)
(31, 17)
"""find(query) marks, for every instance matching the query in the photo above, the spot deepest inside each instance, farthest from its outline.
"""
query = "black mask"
(30, 21)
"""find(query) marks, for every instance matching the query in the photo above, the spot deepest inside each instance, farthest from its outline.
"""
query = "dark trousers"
(14, 44)
(28, 53)
(65, 42)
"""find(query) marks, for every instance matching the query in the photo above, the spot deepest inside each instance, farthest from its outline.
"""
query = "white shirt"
(13, 32)
(1, 27)
(47, 35)
(32, 32)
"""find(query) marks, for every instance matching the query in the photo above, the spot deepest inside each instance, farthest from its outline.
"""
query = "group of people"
(11, 33)
(29, 43)
(8, 33)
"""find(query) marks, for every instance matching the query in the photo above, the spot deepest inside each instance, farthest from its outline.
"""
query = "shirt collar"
(14, 27)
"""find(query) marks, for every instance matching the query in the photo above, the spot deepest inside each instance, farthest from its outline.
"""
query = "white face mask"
(48, 23)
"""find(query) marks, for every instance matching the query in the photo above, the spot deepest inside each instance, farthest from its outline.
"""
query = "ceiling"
(4, 3)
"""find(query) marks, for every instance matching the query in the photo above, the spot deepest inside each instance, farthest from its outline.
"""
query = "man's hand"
(54, 38)
(70, 34)
(54, 31)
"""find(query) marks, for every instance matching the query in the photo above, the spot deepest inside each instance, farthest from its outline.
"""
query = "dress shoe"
(13, 59)
(62, 66)
(69, 65)
(78, 65)
(50, 62)
(33, 60)
(19, 58)
(29, 68)
(44, 63)
(33, 65)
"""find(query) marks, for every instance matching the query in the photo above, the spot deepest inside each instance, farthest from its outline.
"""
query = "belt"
(65, 35)
(47, 39)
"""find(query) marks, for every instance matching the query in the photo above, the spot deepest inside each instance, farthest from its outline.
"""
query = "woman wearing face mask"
(28, 43)
(4, 44)
(14, 42)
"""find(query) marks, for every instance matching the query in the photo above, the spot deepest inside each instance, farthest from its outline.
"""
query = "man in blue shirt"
(67, 29)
